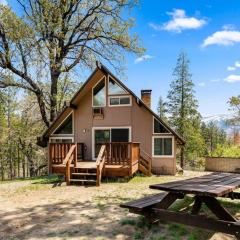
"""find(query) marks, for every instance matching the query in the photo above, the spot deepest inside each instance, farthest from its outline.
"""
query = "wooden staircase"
(145, 163)
(84, 175)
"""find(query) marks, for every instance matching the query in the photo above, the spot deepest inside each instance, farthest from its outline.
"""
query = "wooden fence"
(222, 164)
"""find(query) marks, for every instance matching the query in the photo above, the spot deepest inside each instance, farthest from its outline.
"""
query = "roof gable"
(98, 73)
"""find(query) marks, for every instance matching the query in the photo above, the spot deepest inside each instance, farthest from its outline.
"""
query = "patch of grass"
(101, 206)
(30, 188)
(128, 221)
(138, 235)
(47, 179)
(177, 230)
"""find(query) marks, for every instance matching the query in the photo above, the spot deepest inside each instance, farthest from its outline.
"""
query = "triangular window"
(114, 88)
(99, 94)
(66, 127)
(159, 128)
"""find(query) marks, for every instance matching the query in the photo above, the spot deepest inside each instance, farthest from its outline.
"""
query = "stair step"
(84, 174)
(82, 180)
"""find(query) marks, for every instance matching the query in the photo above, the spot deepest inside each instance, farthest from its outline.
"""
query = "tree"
(161, 109)
(56, 38)
(213, 136)
(182, 108)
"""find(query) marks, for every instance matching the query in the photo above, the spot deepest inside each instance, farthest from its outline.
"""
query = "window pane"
(66, 127)
(167, 146)
(114, 88)
(101, 136)
(163, 146)
(158, 146)
(159, 128)
(66, 140)
(114, 101)
(120, 135)
(99, 95)
(125, 100)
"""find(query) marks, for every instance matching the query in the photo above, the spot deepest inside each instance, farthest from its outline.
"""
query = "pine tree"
(182, 108)
(161, 108)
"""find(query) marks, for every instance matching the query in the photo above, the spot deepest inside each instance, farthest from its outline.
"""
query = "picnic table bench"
(205, 189)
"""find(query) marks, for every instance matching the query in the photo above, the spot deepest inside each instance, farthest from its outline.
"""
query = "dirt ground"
(39, 209)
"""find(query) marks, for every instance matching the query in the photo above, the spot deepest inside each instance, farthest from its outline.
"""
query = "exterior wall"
(137, 117)
(222, 164)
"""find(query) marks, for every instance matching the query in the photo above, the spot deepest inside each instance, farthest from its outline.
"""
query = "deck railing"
(70, 158)
(58, 151)
(122, 153)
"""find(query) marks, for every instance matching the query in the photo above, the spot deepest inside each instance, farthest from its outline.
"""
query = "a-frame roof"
(105, 70)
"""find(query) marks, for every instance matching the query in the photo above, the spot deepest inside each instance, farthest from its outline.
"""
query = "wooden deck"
(114, 160)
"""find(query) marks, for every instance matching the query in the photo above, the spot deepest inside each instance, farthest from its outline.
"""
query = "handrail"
(71, 156)
(100, 163)
(145, 161)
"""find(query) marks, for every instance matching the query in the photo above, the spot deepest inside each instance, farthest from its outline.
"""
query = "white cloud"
(3, 2)
(233, 68)
(230, 68)
(224, 37)
(232, 78)
(179, 22)
(155, 26)
(142, 58)
(202, 84)
(237, 64)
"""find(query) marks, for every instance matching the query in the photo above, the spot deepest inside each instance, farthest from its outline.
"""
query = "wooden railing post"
(100, 163)
(68, 173)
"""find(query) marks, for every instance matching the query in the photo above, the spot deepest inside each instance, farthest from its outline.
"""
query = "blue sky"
(209, 31)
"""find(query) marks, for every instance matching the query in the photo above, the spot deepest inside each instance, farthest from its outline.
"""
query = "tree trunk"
(182, 162)
(18, 161)
(53, 101)
(23, 167)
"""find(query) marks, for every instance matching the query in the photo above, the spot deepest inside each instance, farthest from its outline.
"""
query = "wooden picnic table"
(205, 189)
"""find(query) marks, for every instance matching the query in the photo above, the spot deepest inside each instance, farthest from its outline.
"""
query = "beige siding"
(138, 118)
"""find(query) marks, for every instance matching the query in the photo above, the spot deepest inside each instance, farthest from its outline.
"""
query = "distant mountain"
(220, 120)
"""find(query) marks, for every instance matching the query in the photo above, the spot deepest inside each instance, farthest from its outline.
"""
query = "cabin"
(107, 131)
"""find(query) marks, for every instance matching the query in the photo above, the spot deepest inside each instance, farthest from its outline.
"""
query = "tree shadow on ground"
(85, 220)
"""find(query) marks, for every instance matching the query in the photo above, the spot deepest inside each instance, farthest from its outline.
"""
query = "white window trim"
(107, 128)
(120, 105)
(104, 77)
(72, 138)
(70, 134)
(118, 85)
(163, 156)
(168, 133)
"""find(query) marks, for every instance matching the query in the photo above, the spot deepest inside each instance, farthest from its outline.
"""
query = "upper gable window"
(159, 128)
(114, 88)
(99, 94)
(66, 127)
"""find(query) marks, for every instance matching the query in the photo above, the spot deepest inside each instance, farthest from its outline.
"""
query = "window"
(114, 88)
(158, 127)
(99, 94)
(120, 101)
(66, 127)
(60, 140)
(163, 146)
(109, 134)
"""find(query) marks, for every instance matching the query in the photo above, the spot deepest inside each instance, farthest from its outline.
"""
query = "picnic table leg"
(165, 203)
(196, 206)
(216, 208)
